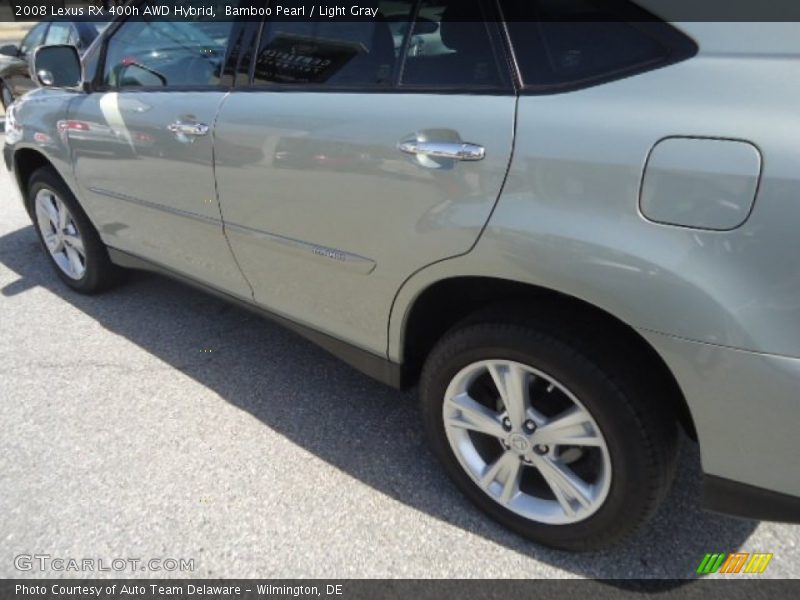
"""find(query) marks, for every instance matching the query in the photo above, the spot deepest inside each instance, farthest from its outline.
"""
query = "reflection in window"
(33, 39)
(336, 53)
(448, 47)
(568, 41)
(61, 33)
(166, 53)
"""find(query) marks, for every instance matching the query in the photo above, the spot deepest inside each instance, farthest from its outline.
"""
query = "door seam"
(477, 238)
(216, 193)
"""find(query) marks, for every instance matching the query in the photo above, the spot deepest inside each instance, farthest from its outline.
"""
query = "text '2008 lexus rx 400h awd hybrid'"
(577, 235)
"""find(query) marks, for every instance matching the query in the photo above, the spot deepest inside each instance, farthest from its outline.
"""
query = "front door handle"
(191, 129)
(454, 150)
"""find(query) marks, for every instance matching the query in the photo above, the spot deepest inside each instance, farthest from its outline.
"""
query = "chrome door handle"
(193, 129)
(454, 150)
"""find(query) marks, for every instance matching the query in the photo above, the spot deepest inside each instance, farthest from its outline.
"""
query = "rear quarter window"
(576, 43)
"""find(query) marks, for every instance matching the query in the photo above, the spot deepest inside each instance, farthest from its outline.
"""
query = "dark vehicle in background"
(15, 78)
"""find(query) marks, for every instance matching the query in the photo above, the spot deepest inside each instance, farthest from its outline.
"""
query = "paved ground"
(155, 421)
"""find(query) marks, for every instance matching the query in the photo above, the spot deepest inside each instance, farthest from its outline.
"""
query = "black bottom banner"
(254, 589)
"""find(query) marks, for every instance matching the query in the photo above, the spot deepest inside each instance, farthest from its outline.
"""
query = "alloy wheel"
(60, 234)
(527, 442)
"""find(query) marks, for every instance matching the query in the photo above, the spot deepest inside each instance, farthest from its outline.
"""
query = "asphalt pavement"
(156, 422)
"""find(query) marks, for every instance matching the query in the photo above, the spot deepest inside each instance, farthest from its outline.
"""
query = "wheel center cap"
(519, 443)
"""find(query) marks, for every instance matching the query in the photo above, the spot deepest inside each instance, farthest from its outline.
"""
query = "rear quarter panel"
(721, 307)
(568, 218)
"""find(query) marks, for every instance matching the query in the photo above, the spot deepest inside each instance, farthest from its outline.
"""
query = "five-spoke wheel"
(554, 437)
(60, 233)
(527, 441)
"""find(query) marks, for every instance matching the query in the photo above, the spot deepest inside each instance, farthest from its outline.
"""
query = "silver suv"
(577, 235)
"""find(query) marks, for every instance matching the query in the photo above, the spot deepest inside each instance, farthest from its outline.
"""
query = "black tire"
(100, 273)
(640, 431)
(6, 95)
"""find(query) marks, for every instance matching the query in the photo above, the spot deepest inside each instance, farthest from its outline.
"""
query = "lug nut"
(507, 424)
(530, 426)
(541, 449)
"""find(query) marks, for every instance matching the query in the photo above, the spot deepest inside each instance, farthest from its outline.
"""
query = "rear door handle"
(192, 129)
(454, 150)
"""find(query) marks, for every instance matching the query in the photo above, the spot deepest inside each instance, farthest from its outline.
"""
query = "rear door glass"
(336, 53)
(449, 47)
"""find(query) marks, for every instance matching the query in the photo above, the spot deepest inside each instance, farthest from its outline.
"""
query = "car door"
(142, 147)
(18, 76)
(338, 179)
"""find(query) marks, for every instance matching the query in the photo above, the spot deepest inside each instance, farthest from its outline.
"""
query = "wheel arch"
(452, 301)
(28, 160)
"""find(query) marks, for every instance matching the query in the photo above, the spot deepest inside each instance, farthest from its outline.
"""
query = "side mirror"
(9, 50)
(132, 73)
(57, 66)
